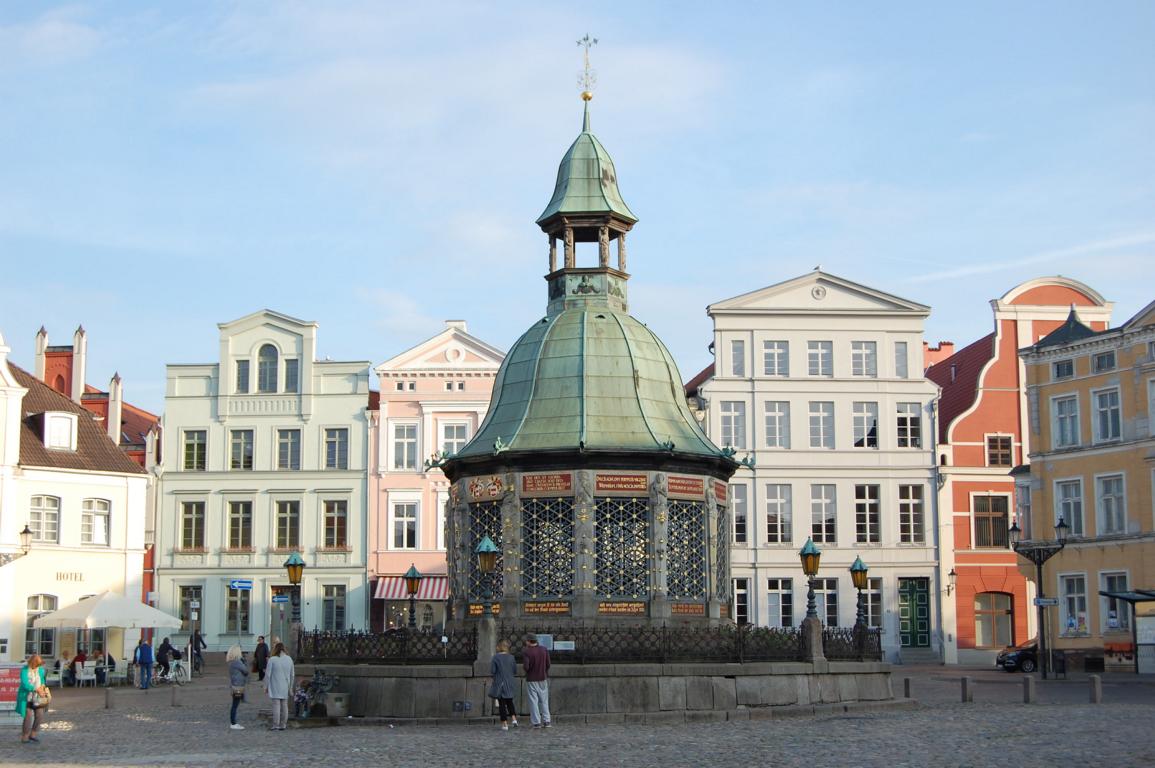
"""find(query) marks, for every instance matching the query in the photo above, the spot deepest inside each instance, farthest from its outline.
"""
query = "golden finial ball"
(587, 95)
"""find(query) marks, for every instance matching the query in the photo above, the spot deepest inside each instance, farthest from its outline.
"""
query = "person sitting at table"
(103, 664)
(77, 661)
(61, 665)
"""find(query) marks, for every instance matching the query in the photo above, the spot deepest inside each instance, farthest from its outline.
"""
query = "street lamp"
(1039, 552)
(810, 555)
(25, 547)
(858, 571)
(413, 579)
(952, 579)
(487, 553)
(295, 568)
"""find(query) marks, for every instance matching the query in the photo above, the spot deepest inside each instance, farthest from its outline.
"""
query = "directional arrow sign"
(1046, 602)
(280, 598)
(241, 584)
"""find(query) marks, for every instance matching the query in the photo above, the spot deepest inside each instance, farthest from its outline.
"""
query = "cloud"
(1097, 247)
(399, 313)
(57, 36)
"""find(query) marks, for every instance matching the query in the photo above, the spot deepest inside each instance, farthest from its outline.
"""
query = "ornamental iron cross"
(588, 78)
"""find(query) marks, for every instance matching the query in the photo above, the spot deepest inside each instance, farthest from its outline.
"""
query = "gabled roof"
(695, 383)
(448, 350)
(1069, 332)
(1143, 317)
(95, 451)
(816, 292)
(958, 395)
(267, 314)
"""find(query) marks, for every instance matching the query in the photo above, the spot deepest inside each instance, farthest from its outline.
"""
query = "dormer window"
(267, 369)
(60, 431)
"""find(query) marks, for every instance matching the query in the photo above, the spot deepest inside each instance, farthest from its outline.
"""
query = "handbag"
(41, 697)
(239, 691)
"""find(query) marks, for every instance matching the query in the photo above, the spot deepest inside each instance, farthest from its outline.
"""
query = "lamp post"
(1039, 552)
(486, 552)
(413, 579)
(810, 555)
(952, 579)
(858, 571)
(25, 547)
(295, 568)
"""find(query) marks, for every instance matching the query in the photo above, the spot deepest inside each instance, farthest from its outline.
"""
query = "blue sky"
(377, 167)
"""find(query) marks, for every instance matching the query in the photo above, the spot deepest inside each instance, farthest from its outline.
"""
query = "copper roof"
(95, 451)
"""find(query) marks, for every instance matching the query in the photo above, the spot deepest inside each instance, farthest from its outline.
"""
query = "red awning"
(393, 588)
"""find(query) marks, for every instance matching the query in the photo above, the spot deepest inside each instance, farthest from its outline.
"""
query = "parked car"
(1021, 658)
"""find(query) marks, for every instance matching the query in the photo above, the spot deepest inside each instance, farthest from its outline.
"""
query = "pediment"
(451, 350)
(820, 293)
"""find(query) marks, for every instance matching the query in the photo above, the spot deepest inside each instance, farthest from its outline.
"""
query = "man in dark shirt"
(535, 660)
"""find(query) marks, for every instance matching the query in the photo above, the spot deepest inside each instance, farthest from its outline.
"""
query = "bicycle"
(177, 673)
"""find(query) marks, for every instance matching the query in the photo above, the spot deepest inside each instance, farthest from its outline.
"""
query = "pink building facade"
(432, 399)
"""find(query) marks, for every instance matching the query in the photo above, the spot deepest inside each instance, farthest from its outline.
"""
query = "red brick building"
(982, 432)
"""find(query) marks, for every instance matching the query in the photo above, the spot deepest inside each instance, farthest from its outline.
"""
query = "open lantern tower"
(605, 499)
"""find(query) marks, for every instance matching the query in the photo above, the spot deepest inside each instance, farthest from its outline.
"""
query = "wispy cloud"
(60, 35)
(1055, 257)
(399, 313)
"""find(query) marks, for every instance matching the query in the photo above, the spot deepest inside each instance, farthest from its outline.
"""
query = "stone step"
(918, 656)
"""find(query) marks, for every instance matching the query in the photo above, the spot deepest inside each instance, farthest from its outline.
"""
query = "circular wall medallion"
(454, 354)
(818, 292)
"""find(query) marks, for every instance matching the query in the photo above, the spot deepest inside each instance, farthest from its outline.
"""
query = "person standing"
(198, 645)
(260, 657)
(280, 685)
(503, 670)
(144, 661)
(32, 682)
(535, 660)
(238, 678)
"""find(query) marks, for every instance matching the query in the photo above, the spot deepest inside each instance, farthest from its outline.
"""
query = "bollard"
(907, 685)
(1096, 689)
(108, 698)
(175, 701)
(1028, 690)
(968, 690)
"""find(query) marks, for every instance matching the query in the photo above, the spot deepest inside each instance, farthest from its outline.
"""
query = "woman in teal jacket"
(31, 680)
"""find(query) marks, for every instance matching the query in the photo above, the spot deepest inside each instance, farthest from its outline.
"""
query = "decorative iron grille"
(686, 565)
(722, 555)
(397, 646)
(485, 520)
(622, 532)
(852, 643)
(547, 564)
(600, 645)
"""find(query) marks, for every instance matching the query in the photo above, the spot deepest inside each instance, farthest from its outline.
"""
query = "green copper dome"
(589, 379)
(586, 180)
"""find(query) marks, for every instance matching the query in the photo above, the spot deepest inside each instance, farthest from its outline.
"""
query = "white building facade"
(83, 500)
(265, 454)
(819, 381)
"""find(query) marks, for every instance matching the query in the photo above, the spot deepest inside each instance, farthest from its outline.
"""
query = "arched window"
(994, 620)
(41, 641)
(94, 522)
(267, 369)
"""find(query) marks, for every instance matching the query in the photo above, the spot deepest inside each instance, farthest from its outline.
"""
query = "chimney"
(79, 360)
(456, 324)
(41, 348)
(115, 408)
(934, 355)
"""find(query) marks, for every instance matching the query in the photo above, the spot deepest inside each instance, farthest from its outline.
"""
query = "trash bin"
(336, 704)
(1059, 663)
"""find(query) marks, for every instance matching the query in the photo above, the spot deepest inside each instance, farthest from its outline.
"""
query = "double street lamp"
(1039, 552)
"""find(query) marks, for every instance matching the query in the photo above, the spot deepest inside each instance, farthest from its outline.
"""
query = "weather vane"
(588, 78)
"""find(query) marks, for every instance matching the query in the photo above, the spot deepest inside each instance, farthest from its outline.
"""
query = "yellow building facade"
(1091, 396)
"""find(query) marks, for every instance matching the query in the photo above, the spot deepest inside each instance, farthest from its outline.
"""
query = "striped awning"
(393, 588)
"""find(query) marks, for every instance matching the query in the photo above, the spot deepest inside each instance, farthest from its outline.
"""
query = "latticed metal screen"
(622, 531)
(485, 520)
(722, 555)
(547, 565)
(686, 551)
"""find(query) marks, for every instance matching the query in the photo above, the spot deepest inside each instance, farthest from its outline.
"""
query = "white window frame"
(454, 423)
(777, 414)
(821, 419)
(1100, 514)
(1123, 617)
(776, 358)
(740, 507)
(1080, 628)
(776, 590)
(336, 467)
(89, 515)
(820, 358)
(286, 462)
(971, 511)
(186, 445)
(863, 412)
(1096, 431)
(987, 448)
(733, 420)
(911, 510)
(1069, 420)
(780, 501)
(1112, 362)
(908, 415)
(48, 521)
(326, 500)
(871, 508)
(1151, 406)
(901, 360)
(399, 500)
(442, 500)
(738, 358)
(864, 359)
(393, 445)
(823, 507)
(1064, 504)
(59, 431)
(740, 585)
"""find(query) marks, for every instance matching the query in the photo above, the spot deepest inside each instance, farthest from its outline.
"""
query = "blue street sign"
(280, 598)
(241, 584)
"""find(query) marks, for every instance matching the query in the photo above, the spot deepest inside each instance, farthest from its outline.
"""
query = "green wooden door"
(914, 612)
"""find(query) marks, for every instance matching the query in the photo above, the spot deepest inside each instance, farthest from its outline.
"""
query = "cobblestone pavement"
(995, 730)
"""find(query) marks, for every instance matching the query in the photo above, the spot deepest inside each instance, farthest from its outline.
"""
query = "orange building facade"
(983, 436)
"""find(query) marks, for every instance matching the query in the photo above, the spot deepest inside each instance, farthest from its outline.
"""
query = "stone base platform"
(620, 693)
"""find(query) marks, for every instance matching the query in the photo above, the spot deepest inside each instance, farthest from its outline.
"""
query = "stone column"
(622, 251)
(511, 547)
(603, 246)
(585, 585)
(812, 641)
(659, 533)
(569, 251)
(458, 548)
(552, 254)
(713, 604)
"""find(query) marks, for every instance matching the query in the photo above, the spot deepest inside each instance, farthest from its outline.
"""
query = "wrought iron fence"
(398, 646)
(852, 643)
(600, 644)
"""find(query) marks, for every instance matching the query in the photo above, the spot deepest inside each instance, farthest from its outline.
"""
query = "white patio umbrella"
(107, 609)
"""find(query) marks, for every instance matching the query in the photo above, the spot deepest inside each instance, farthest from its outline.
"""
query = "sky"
(377, 167)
